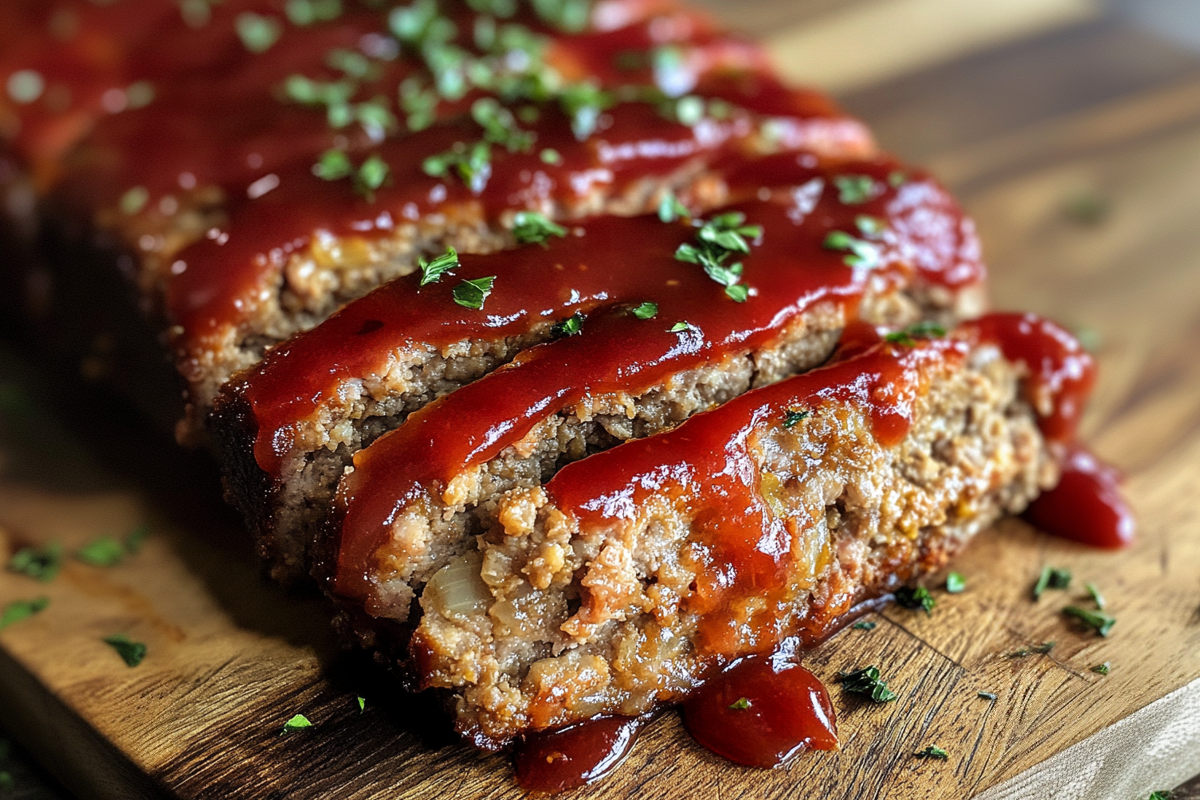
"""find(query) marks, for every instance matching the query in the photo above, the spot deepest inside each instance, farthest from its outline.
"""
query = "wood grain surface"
(1077, 149)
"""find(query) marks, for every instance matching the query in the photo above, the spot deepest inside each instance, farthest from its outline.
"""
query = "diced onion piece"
(457, 590)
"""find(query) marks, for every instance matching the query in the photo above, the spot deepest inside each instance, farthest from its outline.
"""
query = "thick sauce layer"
(609, 261)
(575, 756)
(790, 271)
(1086, 506)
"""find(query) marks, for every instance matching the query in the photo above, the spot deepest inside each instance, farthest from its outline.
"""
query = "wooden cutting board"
(1077, 151)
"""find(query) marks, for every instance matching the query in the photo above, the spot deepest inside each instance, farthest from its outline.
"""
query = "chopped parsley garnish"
(471, 164)
(103, 552)
(1042, 649)
(646, 310)
(1102, 669)
(855, 190)
(864, 626)
(987, 696)
(671, 209)
(718, 239)
(915, 598)
(571, 326)
(1160, 795)
(258, 33)
(362, 704)
(131, 652)
(1097, 598)
(20, 610)
(550, 156)
(531, 227)
(307, 12)
(432, 271)
(868, 683)
(1101, 623)
(570, 16)
(955, 583)
(1051, 578)
(40, 564)
(687, 110)
(680, 327)
(333, 165)
(793, 417)
(933, 751)
(499, 125)
(296, 723)
(26, 86)
(741, 704)
(584, 103)
(472, 294)
(861, 253)
(870, 227)
(920, 330)
(134, 200)
(897, 179)
(371, 175)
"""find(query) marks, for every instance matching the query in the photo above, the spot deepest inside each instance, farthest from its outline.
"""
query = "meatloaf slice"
(633, 575)
(288, 428)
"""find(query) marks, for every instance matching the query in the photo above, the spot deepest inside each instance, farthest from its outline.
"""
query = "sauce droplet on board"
(761, 713)
(564, 759)
(1087, 505)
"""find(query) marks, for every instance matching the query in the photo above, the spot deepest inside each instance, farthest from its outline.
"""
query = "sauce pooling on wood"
(1086, 506)
(556, 761)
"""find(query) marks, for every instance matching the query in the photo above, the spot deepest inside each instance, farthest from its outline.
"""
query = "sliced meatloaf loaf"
(631, 576)
(288, 428)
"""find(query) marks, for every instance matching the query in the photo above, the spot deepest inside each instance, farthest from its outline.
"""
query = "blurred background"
(1069, 128)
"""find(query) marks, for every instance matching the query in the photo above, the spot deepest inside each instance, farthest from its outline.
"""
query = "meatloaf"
(571, 351)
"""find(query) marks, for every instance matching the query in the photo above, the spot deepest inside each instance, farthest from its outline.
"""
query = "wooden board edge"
(1162, 738)
(66, 746)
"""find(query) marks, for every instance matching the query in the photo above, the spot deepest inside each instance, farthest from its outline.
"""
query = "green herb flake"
(1102, 669)
(867, 682)
(916, 598)
(296, 723)
(21, 610)
(333, 165)
(471, 164)
(865, 626)
(362, 704)
(530, 227)
(139, 95)
(1097, 598)
(738, 293)
(671, 209)
(472, 294)
(793, 417)
(861, 253)
(921, 330)
(897, 179)
(371, 175)
(646, 310)
(933, 751)
(989, 696)
(41, 564)
(955, 583)
(741, 704)
(571, 326)
(131, 652)
(26, 86)
(1101, 623)
(1160, 795)
(680, 327)
(7, 782)
(136, 538)
(103, 552)
(855, 190)
(432, 271)
(1042, 649)
(258, 33)
(309, 12)
(134, 200)
(1051, 578)
(550, 156)
(870, 227)
(1087, 208)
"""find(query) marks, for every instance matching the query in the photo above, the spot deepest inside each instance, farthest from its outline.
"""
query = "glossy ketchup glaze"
(762, 712)
(556, 761)
(790, 270)
(1087, 505)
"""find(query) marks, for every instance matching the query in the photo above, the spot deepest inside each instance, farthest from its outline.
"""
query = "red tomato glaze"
(1087, 505)
(568, 758)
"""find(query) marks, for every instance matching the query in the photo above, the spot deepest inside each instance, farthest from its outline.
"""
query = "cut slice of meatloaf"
(250, 189)
(288, 428)
(631, 576)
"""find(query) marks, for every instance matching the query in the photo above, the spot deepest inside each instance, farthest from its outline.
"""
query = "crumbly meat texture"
(288, 514)
(539, 623)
